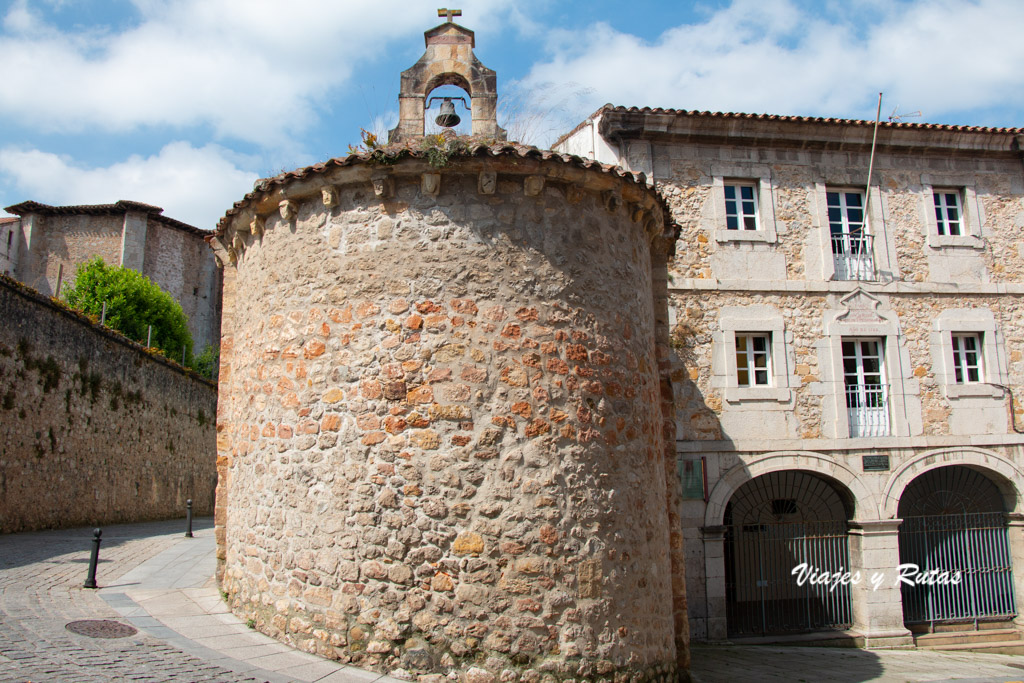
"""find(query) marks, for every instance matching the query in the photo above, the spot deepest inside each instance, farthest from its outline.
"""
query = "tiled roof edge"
(805, 119)
(383, 155)
(120, 206)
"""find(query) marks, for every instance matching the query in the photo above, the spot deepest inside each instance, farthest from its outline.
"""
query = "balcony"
(867, 409)
(853, 255)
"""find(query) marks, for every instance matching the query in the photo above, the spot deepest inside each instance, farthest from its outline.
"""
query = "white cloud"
(944, 57)
(255, 70)
(194, 185)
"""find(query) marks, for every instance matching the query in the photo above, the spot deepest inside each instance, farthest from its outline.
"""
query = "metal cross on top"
(449, 13)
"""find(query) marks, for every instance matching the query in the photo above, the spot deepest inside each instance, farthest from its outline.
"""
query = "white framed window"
(742, 202)
(867, 373)
(740, 205)
(867, 395)
(948, 212)
(753, 359)
(967, 365)
(952, 213)
(969, 354)
(852, 249)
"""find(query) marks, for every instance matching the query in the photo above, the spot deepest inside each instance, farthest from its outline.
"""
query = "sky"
(186, 103)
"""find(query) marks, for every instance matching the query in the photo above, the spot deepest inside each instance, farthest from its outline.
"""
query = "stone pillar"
(714, 582)
(1015, 532)
(133, 240)
(877, 611)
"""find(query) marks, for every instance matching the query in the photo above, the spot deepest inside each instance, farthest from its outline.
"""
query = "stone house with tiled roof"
(43, 245)
(847, 352)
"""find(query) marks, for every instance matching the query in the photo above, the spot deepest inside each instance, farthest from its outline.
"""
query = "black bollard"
(188, 517)
(90, 581)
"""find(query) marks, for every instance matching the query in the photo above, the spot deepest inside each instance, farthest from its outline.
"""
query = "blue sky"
(185, 103)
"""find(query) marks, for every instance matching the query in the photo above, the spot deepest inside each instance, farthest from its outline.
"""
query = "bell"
(447, 118)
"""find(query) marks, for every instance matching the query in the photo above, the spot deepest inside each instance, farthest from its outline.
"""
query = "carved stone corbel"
(329, 195)
(289, 210)
(238, 243)
(257, 226)
(573, 194)
(232, 255)
(431, 184)
(487, 183)
(533, 185)
(383, 187)
(612, 201)
(636, 213)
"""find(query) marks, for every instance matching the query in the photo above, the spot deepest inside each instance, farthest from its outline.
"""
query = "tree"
(134, 302)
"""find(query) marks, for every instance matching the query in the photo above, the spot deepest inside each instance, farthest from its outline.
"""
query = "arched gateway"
(954, 536)
(776, 523)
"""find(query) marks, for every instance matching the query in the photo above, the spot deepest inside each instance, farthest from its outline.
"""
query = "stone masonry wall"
(93, 430)
(685, 178)
(700, 405)
(182, 265)
(441, 427)
(68, 241)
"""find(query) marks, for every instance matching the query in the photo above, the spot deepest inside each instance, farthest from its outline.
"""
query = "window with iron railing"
(867, 395)
(852, 246)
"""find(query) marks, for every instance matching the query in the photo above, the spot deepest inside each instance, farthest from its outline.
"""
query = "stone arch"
(864, 505)
(448, 60)
(455, 78)
(1004, 474)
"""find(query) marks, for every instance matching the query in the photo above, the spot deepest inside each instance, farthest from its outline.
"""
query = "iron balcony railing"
(867, 409)
(853, 254)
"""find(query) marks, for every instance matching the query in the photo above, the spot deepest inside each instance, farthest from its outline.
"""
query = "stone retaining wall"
(93, 429)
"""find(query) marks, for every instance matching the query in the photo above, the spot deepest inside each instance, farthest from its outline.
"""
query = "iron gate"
(762, 595)
(974, 544)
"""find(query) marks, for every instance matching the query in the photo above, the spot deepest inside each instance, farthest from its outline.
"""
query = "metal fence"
(974, 545)
(762, 594)
(853, 256)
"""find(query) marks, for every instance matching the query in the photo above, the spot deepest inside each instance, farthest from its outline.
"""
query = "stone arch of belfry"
(448, 60)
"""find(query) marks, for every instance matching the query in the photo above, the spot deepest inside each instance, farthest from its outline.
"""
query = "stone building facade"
(46, 243)
(844, 386)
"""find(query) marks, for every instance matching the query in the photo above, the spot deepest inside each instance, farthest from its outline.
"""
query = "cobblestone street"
(41, 577)
(153, 578)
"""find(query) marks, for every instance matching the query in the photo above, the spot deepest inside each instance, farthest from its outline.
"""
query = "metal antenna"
(896, 117)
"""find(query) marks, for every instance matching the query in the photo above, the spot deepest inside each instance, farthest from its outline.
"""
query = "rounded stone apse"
(445, 424)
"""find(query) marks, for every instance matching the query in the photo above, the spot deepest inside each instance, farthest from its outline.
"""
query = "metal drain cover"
(100, 628)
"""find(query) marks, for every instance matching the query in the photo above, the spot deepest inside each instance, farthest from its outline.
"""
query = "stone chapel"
(505, 413)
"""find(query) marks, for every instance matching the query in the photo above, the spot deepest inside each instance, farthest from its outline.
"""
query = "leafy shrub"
(134, 302)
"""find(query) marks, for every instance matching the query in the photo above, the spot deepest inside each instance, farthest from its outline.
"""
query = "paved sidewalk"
(766, 664)
(155, 579)
(162, 583)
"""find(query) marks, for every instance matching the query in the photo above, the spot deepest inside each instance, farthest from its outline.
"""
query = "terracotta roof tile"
(120, 206)
(266, 185)
(790, 119)
(812, 119)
